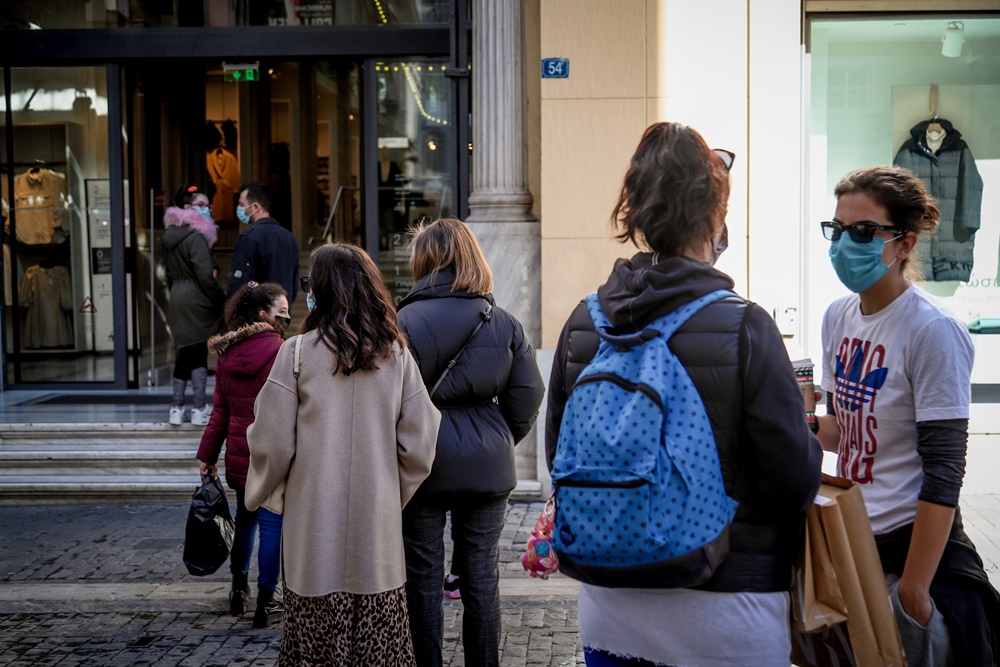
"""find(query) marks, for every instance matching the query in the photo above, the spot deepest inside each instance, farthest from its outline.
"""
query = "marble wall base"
(513, 250)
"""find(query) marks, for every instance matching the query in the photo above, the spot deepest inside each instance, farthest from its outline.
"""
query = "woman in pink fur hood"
(196, 300)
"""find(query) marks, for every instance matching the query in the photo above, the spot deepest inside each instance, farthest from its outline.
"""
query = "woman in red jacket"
(256, 317)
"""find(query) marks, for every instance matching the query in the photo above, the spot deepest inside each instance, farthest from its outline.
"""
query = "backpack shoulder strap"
(601, 320)
(668, 324)
(297, 357)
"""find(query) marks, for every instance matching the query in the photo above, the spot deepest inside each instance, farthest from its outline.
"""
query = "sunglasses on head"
(727, 157)
(860, 232)
(304, 283)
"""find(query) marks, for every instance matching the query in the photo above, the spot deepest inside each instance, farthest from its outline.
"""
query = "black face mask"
(284, 322)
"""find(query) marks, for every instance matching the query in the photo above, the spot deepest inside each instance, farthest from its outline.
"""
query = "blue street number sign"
(555, 68)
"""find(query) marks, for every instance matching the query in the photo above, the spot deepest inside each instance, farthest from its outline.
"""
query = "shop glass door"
(294, 127)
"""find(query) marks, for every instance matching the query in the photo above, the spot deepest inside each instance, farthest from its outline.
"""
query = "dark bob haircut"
(675, 191)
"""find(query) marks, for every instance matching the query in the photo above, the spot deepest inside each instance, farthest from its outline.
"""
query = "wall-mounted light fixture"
(954, 38)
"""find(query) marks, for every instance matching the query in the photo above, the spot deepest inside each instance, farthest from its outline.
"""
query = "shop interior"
(295, 126)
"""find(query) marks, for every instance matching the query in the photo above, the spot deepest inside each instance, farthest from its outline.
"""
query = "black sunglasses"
(304, 284)
(727, 157)
(860, 232)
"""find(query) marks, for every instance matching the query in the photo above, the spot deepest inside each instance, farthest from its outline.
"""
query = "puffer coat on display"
(951, 176)
(245, 359)
(196, 299)
(489, 401)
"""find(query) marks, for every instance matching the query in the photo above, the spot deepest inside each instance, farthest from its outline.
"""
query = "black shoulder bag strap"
(484, 316)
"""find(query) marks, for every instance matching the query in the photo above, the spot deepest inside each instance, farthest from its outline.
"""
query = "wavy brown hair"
(354, 315)
(449, 242)
(904, 197)
(675, 191)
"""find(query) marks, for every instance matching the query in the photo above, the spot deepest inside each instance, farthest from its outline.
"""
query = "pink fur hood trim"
(185, 217)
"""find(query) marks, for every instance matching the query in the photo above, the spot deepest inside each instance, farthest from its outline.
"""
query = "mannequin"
(935, 136)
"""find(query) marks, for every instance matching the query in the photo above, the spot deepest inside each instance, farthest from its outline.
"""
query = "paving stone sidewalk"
(104, 585)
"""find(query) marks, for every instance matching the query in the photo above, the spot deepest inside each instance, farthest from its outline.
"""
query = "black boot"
(269, 610)
(239, 596)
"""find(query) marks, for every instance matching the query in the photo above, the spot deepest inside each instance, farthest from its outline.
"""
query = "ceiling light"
(954, 38)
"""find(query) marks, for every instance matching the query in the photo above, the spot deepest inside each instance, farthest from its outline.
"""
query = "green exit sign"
(241, 72)
(242, 75)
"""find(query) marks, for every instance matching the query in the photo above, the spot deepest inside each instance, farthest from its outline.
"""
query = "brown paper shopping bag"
(817, 602)
(841, 542)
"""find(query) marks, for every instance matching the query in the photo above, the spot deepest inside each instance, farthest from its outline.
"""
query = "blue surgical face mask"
(310, 302)
(859, 265)
(241, 213)
(204, 210)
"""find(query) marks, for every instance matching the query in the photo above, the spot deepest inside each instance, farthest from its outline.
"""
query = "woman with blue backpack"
(659, 596)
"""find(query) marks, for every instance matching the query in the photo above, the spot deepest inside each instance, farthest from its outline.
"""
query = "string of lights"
(414, 91)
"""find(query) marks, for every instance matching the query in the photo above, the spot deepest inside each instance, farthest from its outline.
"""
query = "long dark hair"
(244, 306)
(354, 315)
(675, 191)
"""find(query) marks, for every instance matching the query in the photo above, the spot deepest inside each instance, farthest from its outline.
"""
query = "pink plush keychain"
(539, 559)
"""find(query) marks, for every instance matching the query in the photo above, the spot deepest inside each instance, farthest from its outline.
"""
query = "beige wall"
(632, 63)
(734, 76)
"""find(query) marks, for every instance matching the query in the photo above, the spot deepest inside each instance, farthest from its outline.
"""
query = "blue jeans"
(476, 523)
(269, 554)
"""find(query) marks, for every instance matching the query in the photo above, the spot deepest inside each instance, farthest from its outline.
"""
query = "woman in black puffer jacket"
(488, 403)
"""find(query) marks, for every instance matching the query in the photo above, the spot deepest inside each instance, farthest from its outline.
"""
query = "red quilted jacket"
(245, 359)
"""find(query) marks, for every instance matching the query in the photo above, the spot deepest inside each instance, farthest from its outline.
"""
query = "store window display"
(887, 91)
(56, 234)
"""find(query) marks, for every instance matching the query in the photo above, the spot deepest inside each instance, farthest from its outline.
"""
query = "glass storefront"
(74, 14)
(414, 168)
(921, 93)
(58, 297)
(354, 147)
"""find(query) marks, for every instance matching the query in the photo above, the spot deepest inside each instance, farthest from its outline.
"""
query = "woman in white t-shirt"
(896, 366)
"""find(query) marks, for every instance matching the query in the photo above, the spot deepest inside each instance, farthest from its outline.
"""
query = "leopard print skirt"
(346, 630)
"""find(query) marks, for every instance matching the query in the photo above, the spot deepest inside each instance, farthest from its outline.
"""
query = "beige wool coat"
(353, 449)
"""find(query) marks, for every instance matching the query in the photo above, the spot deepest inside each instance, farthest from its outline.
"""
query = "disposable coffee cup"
(804, 376)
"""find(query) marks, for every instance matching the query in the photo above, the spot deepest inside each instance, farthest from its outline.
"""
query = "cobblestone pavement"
(104, 585)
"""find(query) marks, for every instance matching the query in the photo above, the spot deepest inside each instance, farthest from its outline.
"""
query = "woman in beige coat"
(340, 446)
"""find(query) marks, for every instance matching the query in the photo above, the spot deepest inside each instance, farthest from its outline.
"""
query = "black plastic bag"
(208, 536)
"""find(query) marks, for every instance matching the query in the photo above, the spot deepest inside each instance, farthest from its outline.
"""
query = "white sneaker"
(176, 416)
(201, 417)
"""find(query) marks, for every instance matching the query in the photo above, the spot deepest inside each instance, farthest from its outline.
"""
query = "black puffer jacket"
(737, 360)
(488, 402)
(950, 174)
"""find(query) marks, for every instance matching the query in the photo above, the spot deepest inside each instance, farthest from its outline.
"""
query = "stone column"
(500, 202)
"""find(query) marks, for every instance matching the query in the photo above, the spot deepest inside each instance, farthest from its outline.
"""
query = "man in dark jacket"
(266, 252)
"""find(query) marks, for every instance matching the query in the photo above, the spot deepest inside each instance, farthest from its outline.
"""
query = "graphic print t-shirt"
(908, 363)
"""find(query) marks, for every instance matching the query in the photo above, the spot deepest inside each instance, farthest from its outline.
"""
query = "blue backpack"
(640, 500)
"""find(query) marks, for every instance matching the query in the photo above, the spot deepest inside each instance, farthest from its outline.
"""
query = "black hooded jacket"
(951, 176)
(736, 358)
(488, 401)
